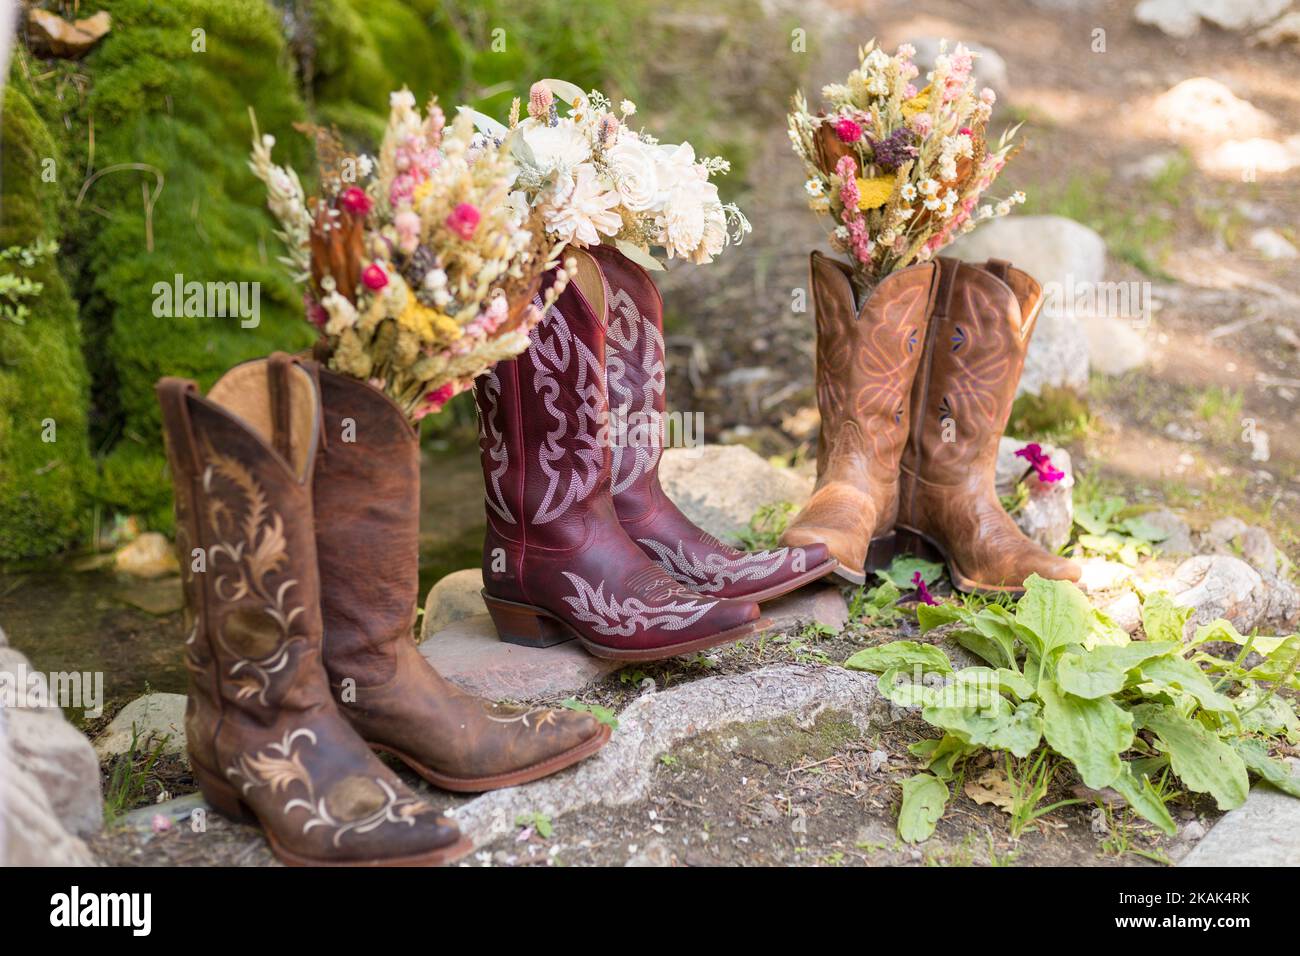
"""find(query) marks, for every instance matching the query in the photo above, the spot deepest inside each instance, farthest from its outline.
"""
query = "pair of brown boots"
(297, 503)
(915, 386)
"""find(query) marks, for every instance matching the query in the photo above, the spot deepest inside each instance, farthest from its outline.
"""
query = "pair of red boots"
(581, 541)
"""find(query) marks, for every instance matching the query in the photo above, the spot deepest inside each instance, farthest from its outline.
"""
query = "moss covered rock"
(44, 462)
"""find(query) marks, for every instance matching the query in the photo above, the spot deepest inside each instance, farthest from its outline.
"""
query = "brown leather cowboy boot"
(634, 375)
(961, 400)
(264, 737)
(556, 563)
(866, 358)
(367, 499)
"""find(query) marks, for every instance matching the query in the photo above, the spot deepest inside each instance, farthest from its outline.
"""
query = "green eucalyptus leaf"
(1055, 611)
(1162, 619)
(924, 799)
(1091, 734)
(902, 655)
(1103, 670)
(1142, 797)
(1201, 760)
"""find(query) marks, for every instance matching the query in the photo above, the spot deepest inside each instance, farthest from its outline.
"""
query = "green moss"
(1058, 415)
(42, 376)
(173, 103)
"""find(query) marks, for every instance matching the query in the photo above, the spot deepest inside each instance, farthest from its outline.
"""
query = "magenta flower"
(847, 130)
(922, 592)
(1047, 472)
(355, 201)
(434, 401)
(464, 219)
(374, 276)
(316, 313)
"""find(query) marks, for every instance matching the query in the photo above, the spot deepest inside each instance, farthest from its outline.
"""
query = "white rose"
(633, 169)
(684, 216)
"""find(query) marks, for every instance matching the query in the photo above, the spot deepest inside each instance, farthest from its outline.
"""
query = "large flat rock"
(469, 654)
(1265, 831)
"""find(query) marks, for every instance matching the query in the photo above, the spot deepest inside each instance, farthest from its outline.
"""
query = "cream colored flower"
(634, 172)
(562, 146)
(585, 209)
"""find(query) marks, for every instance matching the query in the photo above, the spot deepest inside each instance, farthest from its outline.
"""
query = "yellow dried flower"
(917, 104)
(434, 328)
(874, 192)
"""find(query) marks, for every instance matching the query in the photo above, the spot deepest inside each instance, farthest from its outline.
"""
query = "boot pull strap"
(312, 367)
(947, 283)
(999, 267)
(278, 367)
(173, 395)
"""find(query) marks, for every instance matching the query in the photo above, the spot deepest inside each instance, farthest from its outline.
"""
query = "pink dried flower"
(160, 823)
(965, 131)
(435, 400)
(374, 276)
(540, 99)
(464, 219)
(847, 170)
(1042, 464)
(847, 130)
(355, 201)
(407, 225)
(922, 592)
(316, 313)
(922, 124)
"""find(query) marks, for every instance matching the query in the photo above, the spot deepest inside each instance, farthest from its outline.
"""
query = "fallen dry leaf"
(54, 35)
(992, 786)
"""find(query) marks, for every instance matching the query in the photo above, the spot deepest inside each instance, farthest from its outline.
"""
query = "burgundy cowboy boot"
(367, 500)
(961, 399)
(868, 350)
(265, 740)
(634, 355)
(556, 563)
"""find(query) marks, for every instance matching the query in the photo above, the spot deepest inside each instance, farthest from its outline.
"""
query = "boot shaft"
(366, 490)
(544, 424)
(867, 356)
(241, 462)
(961, 398)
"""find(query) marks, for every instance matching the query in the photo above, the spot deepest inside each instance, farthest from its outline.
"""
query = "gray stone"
(1175, 18)
(1220, 534)
(720, 487)
(1271, 244)
(1264, 831)
(1178, 536)
(1219, 586)
(157, 596)
(990, 67)
(1182, 18)
(152, 720)
(1201, 111)
(1114, 345)
(469, 654)
(1099, 574)
(816, 603)
(1125, 609)
(453, 598)
(1286, 31)
(60, 760)
(31, 833)
(1258, 550)
(624, 770)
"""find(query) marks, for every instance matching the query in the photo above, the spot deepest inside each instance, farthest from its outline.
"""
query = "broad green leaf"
(1021, 733)
(1091, 734)
(1162, 619)
(1138, 527)
(941, 755)
(1105, 632)
(987, 722)
(1280, 662)
(1217, 630)
(1013, 682)
(1056, 611)
(1097, 516)
(930, 616)
(1144, 800)
(1275, 717)
(1181, 674)
(924, 799)
(900, 572)
(1201, 760)
(1254, 754)
(898, 688)
(1103, 670)
(903, 655)
(983, 647)
(1109, 545)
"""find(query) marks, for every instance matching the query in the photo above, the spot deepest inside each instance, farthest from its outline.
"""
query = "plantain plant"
(1062, 676)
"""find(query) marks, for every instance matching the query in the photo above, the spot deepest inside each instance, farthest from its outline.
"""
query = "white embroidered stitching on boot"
(715, 571)
(606, 615)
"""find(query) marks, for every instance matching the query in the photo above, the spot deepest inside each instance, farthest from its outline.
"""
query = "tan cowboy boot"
(866, 358)
(264, 737)
(961, 399)
(367, 496)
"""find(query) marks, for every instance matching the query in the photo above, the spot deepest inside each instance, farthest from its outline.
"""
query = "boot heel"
(525, 625)
(221, 795)
(881, 552)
